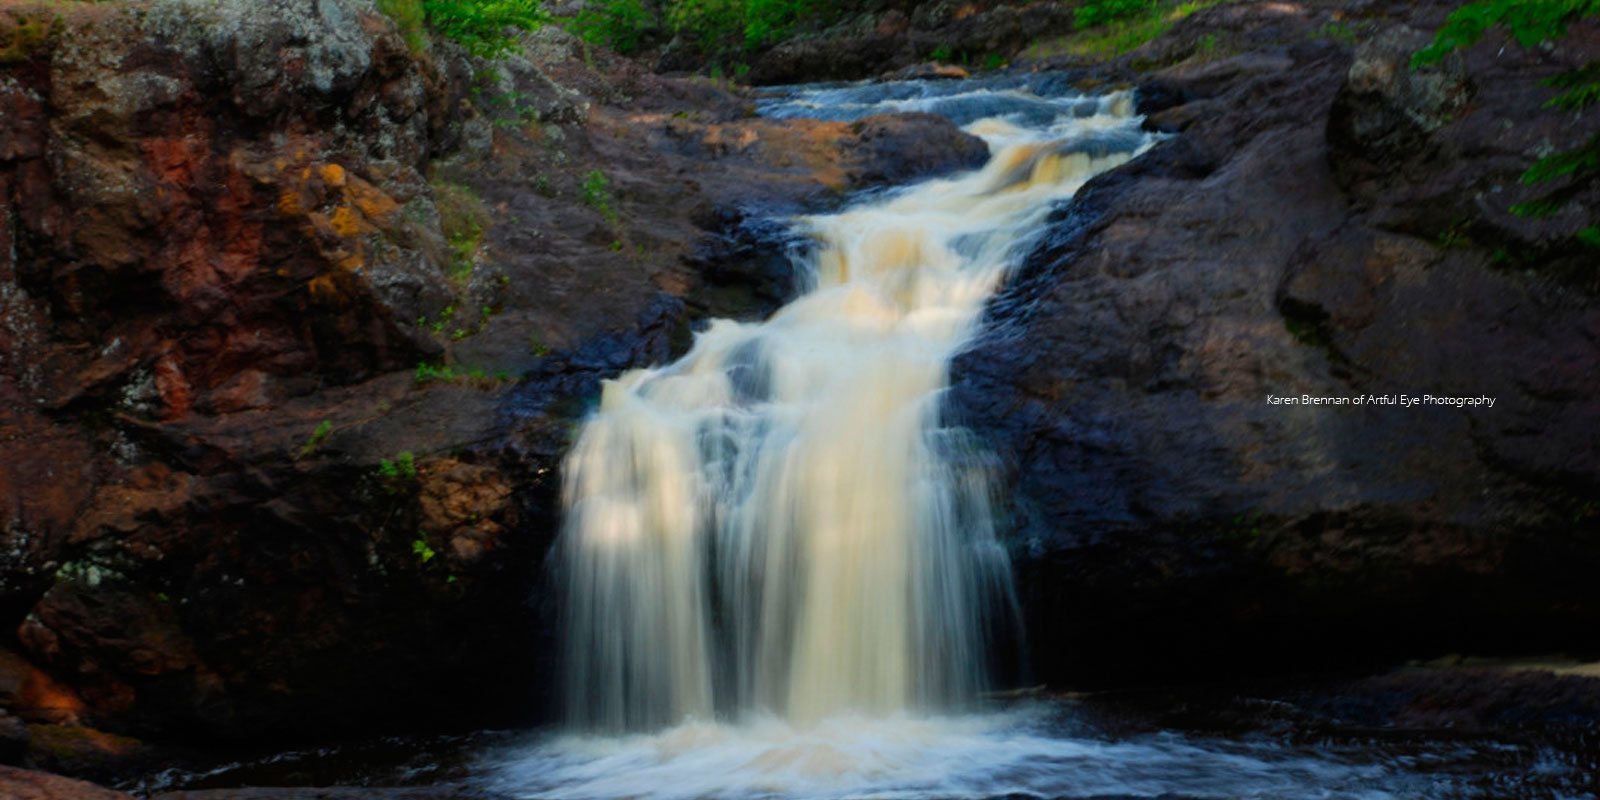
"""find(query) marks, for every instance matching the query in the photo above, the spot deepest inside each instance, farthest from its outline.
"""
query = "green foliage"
(323, 431)
(941, 53)
(1099, 12)
(429, 373)
(729, 29)
(597, 195)
(725, 30)
(423, 552)
(767, 21)
(436, 327)
(618, 24)
(1531, 22)
(484, 27)
(1585, 158)
(1528, 21)
(1582, 88)
(403, 467)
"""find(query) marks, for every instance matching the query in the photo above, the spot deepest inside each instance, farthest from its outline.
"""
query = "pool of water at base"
(1055, 748)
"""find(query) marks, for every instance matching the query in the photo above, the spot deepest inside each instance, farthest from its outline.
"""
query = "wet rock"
(24, 784)
(927, 72)
(254, 255)
(78, 750)
(327, 793)
(31, 694)
(1167, 521)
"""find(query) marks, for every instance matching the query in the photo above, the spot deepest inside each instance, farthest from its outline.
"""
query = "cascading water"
(779, 522)
(781, 570)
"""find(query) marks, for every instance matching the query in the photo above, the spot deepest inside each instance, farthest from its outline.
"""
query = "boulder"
(1168, 521)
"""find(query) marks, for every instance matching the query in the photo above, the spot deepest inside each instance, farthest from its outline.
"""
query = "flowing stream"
(781, 573)
(780, 523)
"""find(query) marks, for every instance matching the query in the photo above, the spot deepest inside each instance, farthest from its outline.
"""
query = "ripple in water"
(1021, 753)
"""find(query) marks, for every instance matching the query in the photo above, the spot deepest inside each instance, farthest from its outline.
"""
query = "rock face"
(295, 324)
(1326, 223)
(22, 784)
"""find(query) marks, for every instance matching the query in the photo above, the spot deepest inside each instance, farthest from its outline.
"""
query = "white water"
(775, 543)
(1017, 753)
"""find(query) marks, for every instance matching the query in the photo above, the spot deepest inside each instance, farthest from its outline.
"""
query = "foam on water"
(1019, 752)
(780, 523)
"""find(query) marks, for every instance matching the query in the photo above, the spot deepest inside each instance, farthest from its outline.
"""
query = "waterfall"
(780, 522)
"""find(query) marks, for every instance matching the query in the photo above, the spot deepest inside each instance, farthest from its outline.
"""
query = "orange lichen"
(324, 289)
(376, 205)
(290, 204)
(347, 222)
(333, 175)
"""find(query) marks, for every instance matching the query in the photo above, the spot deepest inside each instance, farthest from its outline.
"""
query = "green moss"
(1339, 32)
(410, 20)
(464, 221)
(1119, 28)
(446, 373)
(537, 346)
(25, 36)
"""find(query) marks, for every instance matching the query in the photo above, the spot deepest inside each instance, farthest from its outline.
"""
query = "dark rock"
(82, 751)
(13, 739)
(1167, 522)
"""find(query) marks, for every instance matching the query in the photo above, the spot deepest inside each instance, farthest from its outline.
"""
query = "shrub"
(618, 24)
(1099, 12)
(729, 29)
(481, 26)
